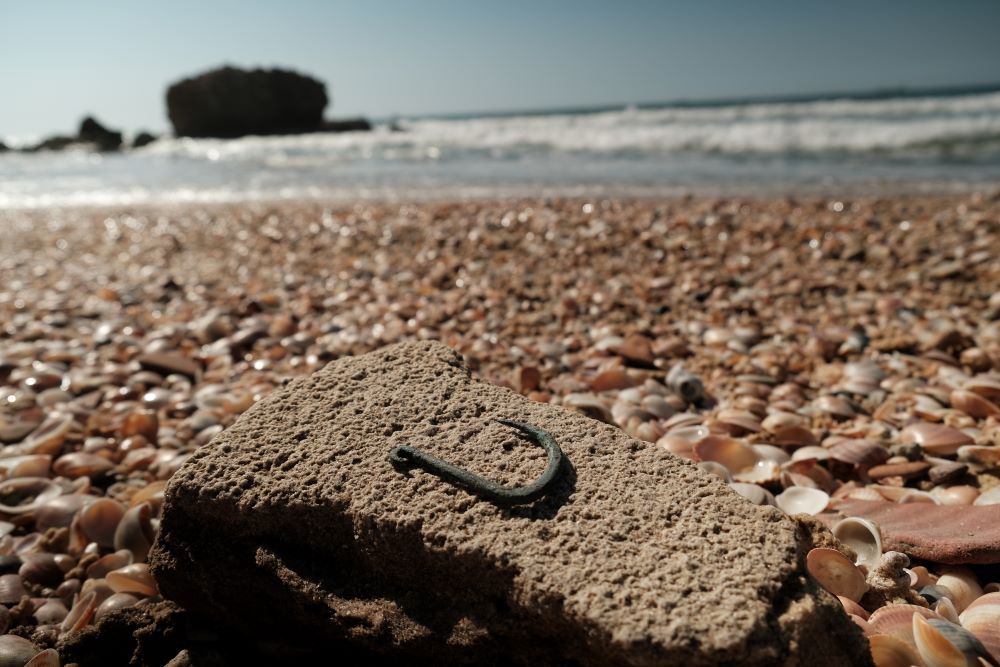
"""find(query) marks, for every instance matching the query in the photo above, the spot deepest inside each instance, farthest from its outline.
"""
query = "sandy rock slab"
(293, 524)
(940, 533)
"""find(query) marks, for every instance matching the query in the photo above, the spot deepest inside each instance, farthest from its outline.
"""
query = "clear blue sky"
(60, 60)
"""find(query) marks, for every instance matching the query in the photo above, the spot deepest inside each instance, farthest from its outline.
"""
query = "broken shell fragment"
(836, 573)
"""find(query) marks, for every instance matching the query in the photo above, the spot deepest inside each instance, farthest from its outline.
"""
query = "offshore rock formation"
(293, 523)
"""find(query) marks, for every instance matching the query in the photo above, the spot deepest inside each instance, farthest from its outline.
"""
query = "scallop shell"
(982, 619)
(133, 578)
(863, 536)
(897, 620)
(736, 455)
(836, 573)
(26, 494)
(962, 583)
(772, 453)
(802, 500)
(944, 644)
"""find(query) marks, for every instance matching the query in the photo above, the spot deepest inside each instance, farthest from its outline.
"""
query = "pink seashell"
(937, 439)
(836, 573)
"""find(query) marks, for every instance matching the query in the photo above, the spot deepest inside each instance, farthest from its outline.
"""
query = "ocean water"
(926, 143)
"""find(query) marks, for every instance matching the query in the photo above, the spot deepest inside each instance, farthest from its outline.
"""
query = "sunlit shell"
(936, 439)
(859, 452)
(923, 577)
(860, 622)
(945, 608)
(794, 436)
(26, 494)
(897, 620)
(987, 456)
(736, 455)
(890, 651)
(133, 578)
(81, 464)
(811, 452)
(658, 407)
(136, 531)
(836, 573)
(973, 404)
(991, 497)
(834, 405)
(47, 658)
(716, 469)
(955, 495)
(771, 453)
(802, 500)
(763, 472)
(865, 493)
(81, 614)
(590, 405)
(30, 465)
(755, 493)
(944, 644)
(681, 441)
(962, 583)
(982, 618)
(863, 536)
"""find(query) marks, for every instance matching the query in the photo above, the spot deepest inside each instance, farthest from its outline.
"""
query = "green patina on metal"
(407, 457)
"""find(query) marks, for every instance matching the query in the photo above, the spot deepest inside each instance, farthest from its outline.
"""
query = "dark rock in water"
(231, 102)
(3, 147)
(54, 143)
(143, 139)
(347, 125)
(92, 132)
(293, 523)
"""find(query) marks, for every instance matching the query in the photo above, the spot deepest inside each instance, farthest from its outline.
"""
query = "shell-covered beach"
(838, 358)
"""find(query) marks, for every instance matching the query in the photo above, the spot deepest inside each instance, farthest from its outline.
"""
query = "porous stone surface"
(939, 533)
(293, 523)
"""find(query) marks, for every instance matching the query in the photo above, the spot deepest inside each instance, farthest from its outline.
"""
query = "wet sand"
(133, 337)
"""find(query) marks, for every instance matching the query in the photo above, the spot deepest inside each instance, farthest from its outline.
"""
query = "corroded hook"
(407, 456)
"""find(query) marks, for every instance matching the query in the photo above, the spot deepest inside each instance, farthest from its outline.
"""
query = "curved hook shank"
(405, 455)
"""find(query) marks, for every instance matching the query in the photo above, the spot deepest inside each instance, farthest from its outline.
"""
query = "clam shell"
(133, 578)
(52, 612)
(81, 614)
(46, 439)
(772, 453)
(680, 441)
(763, 472)
(944, 644)
(114, 603)
(836, 573)
(81, 464)
(853, 608)
(973, 404)
(11, 589)
(735, 455)
(936, 439)
(986, 386)
(811, 452)
(109, 563)
(897, 620)
(41, 568)
(16, 650)
(982, 619)
(945, 608)
(47, 658)
(962, 583)
(802, 500)
(955, 495)
(755, 493)
(29, 465)
(100, 520)
(26, 494)
(859, 452)
(890, 651)
(863, 536)
(136, 532)
(60, 511)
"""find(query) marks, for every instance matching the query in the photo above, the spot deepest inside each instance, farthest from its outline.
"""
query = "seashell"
(738, 421)
(81, 614)
(716, 469)
(903, 469)
(934, 593)
(686, 385)
(684, 419)
(836, 573)
(987, 456)
(834, 405)
(973, 404)
(59, 512)
(865, 493)
(955, 495)
(890, 651)
(734, 454)
(945, 608)
(853, 608)
(763, 472)
(81, 464)
(860, 622)
(42, 569)
(985, 385)
(658, 407)
(915, 496)
(944, 644)
(772, 453)
(923, 577)
(100, 589)
(152, 493)
(590, 405)
(141, 422)
(982, 619)
(936, 439)
(29, 465)
(794, 436)
(105, 564)
(26, 494)
(46, 439)
(991, 497)
(632, 395)
(802, 500)
(100, 520)
(897, 620)
(47, 658)
(114, 603)
(859, 452)
(962, 583)
(863, 536)
(52, 612)
(819, 475)
(136, 532)
(11, 589)
(624, 412)
(16, 650)
(133, 578)
(949, 471)
(755, 493)
(646, 431)
(811, 453)
(613, 378)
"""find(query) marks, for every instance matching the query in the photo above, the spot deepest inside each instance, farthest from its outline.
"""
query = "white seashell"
(772, 453)
(962, 583)
(756, 494)
(802, 500)
(716, 469)
(897, 620)
(762, 473)
(991, 497)
(863, 536)
(811, 452)
(836, 573)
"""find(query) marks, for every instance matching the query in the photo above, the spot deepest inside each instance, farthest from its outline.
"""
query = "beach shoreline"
(149, 329)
